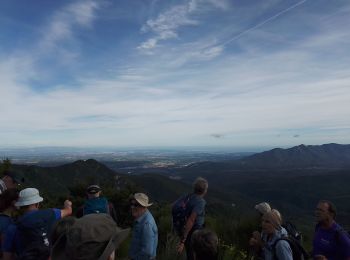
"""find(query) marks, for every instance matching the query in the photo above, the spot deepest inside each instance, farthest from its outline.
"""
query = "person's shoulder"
(11, 229)
(342, 233)
(46, 213)
(200, 200)
(282, 244)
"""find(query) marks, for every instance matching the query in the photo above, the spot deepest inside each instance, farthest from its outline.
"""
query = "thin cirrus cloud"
(166, 25)
(61, 27)
(285, 75)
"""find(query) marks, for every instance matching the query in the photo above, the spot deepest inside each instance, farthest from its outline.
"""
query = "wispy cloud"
(273, 81)
(167, 24)
(217, 136)
(61, 26)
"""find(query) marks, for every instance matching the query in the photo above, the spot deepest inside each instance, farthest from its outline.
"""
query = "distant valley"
(292, 179)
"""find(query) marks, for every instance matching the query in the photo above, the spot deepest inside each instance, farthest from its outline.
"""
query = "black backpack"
(293, 231)
(298, 252)
(34, 235)
(180, 214)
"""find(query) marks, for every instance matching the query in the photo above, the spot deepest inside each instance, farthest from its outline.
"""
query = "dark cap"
(93, 189)
(92, 237)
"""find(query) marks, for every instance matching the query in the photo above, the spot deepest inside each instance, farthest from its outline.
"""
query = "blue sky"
(174, 73)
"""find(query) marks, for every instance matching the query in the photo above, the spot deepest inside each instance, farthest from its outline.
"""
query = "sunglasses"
(134, 205)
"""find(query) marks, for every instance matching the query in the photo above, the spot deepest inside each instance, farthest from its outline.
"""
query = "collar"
(142, 217)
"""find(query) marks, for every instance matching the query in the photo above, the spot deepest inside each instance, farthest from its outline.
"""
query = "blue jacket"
(144, 238)
(283, 250)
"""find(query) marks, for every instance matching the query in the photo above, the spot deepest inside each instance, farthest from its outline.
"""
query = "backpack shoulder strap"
(338, 232)
(298, 250)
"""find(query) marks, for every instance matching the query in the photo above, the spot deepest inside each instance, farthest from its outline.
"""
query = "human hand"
(180, 248)
(256, 235)
(67, 204)
(253, 241)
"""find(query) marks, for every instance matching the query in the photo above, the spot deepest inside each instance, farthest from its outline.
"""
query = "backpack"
(34, 235)
(293, 231)
(298, 252)
(96, 205)
(180, 214)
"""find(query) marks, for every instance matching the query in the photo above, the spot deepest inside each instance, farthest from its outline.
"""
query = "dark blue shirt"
(5, 222)
(12, 239)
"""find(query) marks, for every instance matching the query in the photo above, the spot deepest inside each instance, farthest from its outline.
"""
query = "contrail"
(263, 22)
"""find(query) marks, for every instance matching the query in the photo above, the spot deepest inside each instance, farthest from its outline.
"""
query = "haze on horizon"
(201, 73)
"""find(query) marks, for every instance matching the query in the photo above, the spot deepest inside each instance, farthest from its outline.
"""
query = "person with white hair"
(263, 208)
(195, 208)
(272, 242)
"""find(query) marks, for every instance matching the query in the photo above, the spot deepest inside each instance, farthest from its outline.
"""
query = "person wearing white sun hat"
(28, 238)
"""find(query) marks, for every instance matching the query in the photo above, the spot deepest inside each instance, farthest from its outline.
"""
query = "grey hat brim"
(58, 249)
(31, 201)
(115, 242)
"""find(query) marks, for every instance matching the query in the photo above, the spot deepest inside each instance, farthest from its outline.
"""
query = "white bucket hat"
(142, 199)
(27, 197)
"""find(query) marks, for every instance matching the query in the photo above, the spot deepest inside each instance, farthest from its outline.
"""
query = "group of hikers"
(55, 234)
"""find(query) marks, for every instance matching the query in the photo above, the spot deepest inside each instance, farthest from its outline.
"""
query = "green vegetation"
(230, 199)
(5, 165)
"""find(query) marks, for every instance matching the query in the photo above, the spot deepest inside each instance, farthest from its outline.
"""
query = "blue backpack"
(96, 205)
(180, 213)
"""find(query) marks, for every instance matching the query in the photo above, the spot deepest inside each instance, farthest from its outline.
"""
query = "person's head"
(204, 244)
(139, 203)
(200, 186)
(11, 180)
(271, 222)
(8, 199)
(262, 208)
(61, 227)
(29, 198)
(325, 211)
(93, 191)
(94, 236)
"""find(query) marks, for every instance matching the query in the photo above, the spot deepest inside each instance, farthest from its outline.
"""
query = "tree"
(5, 165)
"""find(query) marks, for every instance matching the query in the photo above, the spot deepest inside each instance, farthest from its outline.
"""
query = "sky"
(220, 73)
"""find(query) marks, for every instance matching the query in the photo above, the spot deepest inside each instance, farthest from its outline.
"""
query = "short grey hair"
(200, 185)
